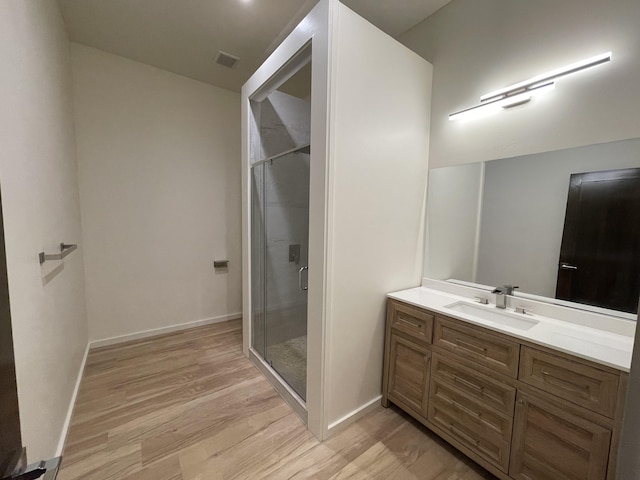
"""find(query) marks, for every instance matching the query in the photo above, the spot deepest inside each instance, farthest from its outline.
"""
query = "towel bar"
(65, 249)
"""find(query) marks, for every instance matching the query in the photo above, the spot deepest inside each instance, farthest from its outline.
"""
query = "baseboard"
(162, 330)
(342, 423)
(72, 403)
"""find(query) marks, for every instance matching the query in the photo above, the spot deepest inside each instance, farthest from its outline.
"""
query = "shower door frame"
(314, 31)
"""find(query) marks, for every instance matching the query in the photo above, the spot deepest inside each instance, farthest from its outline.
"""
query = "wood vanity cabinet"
(522, 411)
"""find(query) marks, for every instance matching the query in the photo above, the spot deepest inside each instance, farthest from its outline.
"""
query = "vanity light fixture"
(523, 92)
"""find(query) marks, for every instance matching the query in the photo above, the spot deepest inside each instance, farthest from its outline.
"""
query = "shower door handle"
(302, 269)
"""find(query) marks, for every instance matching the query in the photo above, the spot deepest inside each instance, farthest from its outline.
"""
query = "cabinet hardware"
(465, 409)
(409, 321)
(471, 346)
(564, 382)
(467, 383)
(460, 433)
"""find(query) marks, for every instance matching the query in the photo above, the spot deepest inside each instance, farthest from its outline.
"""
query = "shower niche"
(335, 139)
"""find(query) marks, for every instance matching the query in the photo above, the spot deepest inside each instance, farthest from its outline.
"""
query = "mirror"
(503, 221)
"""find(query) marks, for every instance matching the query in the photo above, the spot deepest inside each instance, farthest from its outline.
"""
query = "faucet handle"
(482, 300)
(508, 289)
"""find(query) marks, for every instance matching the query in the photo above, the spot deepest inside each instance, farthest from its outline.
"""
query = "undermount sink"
(492, 315)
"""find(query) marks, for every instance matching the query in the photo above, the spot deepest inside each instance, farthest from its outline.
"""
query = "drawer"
(477, 427)
(411, 321)
(586, 386)
(483, 389)
(474, 343)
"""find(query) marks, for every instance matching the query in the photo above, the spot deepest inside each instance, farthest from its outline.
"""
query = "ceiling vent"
(226, 59)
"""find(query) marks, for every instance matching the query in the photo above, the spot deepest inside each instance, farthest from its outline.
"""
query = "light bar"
(493, 106)
(523, 92)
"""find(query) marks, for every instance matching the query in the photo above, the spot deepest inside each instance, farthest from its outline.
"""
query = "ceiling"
(184, 36)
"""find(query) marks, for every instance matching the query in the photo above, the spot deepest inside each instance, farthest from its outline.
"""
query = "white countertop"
(597, 345)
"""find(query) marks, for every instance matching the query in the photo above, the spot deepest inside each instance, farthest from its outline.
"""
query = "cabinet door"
(551, 443)
(409, 373)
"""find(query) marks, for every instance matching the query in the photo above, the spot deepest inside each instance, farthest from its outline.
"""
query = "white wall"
(381, 94)
(453, 207)
(38, 177)
(478, 46)
(159, 175)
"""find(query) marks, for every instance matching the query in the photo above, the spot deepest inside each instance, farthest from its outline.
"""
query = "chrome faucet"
(502, 293)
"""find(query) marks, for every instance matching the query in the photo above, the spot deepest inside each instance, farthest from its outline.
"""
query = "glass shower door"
(280, 260)
(286, 183)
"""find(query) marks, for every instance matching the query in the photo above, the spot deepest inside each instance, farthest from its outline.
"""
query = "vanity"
(527, 396)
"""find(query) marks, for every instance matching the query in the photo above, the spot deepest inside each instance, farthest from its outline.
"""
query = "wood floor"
(190, 406)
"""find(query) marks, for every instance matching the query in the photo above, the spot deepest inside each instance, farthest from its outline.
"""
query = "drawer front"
(474, 343)
(411, 321)
(483, 389)
(581, 384)
(409, 374)
(474, 425)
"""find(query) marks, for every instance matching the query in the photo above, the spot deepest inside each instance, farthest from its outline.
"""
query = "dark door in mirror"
(600, 255)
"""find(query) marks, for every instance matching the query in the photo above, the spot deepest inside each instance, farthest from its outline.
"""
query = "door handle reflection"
(567, 266)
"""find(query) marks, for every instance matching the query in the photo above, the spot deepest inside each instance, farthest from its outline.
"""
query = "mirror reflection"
(564, 225)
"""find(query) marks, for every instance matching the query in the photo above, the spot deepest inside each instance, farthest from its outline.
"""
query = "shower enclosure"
(352, 209)
(279, 190)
